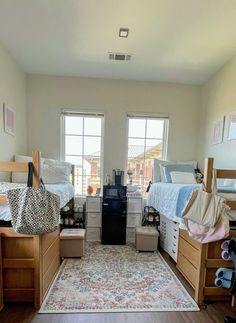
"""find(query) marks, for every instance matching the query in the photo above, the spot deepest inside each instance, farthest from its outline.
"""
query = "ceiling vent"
(119, 57)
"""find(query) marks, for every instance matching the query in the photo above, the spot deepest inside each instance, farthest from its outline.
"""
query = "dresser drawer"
(93, 234)
(187, 269)
(191, 253)
(173, 252)
(94, 219)
(93, 204)
(134, 205)
(133, 219)
(130, 235)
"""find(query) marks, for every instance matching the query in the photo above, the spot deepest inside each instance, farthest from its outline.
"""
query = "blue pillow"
(176, 168)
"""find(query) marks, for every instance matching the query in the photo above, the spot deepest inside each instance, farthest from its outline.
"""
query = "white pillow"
(22, 177)
(55, 174)
(54, 162)
(182, 178)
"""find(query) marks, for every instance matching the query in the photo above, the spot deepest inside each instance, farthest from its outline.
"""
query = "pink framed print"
(218, 129)
(9, 120)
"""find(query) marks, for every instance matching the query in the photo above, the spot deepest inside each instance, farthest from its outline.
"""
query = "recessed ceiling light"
(124, 32)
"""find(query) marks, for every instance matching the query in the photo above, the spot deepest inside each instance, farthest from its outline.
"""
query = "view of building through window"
(146, 141)
(82, 147)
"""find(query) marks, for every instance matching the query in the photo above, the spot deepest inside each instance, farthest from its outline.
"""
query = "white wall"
(48, 95)
(218, 99)
(13, 94)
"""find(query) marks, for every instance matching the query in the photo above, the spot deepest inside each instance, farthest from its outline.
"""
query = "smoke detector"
(119, 56)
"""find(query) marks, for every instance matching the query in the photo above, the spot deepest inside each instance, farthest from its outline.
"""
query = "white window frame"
(65, 113)
(165, 133)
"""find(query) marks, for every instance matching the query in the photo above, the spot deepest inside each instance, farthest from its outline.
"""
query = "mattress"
(170, 199)
(64, 191)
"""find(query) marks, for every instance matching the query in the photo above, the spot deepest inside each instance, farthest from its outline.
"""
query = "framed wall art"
(9, 120)
(217, 132)
(232, 126)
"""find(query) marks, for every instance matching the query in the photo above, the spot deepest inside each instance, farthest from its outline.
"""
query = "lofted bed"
(30, 262)
(197, 262)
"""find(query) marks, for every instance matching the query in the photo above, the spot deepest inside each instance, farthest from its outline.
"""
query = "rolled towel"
(225, 255)
(225, 245)
(222, 283)
(225, 273)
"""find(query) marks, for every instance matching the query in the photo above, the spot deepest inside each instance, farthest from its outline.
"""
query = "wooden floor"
(214, 313)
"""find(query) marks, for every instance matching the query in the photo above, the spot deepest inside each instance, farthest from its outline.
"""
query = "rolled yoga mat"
(225, 255)
(225, 273)
(225, 245)
(219, 282)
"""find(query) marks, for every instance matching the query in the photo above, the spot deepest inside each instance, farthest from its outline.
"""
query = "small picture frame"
(232, 126)
(9, 120)
(217, 132)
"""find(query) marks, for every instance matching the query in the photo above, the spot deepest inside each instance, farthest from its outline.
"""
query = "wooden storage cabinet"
(198, 263)
(134, 216)
(93, 218)
(169, 236)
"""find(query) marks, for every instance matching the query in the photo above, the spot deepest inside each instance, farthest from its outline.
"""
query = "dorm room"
(116, 89)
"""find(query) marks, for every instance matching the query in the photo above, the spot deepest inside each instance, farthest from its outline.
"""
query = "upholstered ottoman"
(72, 242)
(146, 238)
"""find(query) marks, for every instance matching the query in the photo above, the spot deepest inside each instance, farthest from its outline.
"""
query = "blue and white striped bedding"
(169, 199)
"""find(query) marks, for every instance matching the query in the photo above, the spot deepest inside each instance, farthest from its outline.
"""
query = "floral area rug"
(116, 279)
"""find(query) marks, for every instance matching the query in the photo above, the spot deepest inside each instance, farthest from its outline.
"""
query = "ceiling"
(183, 41)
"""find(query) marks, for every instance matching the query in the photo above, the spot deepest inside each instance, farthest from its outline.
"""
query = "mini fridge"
(114, 213)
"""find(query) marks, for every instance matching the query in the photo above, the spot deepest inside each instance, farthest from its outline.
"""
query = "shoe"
(225, 273)
(229, 319)
(219, 282)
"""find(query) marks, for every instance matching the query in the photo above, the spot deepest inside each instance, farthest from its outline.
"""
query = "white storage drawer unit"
(93, 234)
(130, 235)
(169, 236)
(93, 218)
(134, 216)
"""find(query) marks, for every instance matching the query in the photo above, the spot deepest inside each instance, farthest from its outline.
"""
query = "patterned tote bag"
(34, 210)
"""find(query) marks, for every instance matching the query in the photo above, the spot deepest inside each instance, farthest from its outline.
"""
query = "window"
(147, 139)
(82, 146)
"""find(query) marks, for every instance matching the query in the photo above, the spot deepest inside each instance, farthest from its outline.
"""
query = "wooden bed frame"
(29, 262)
(198, 262)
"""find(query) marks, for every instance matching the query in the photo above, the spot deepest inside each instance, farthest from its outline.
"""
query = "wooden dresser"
(1, 284)
(198, 263)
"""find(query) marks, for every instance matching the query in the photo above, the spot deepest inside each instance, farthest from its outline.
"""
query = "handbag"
(204, 234)
(34, 210)
(205, 208)
(204, 215)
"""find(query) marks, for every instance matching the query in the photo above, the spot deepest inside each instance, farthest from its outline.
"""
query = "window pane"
(94, 182)
(73, 145)
(78, 183)
(92, 146)
(75, 160)
(73, 125)
(92, 126)
(135, 148)
(153, 148)
(155, 128)
(137, 128)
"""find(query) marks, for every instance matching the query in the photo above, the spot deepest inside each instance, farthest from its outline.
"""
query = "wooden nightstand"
(1, 284)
